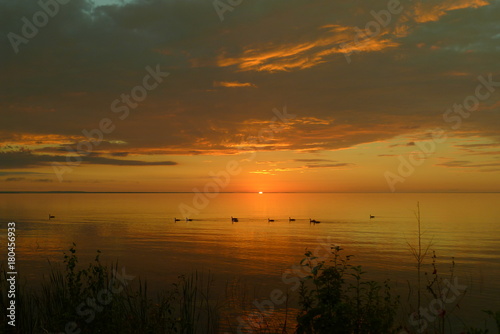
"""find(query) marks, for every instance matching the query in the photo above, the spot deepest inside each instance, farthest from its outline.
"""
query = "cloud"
(482, 167)
(15, 179)
(330, 40)
(4, 173)
(25, 159)
(18, 179)
(411, 143)
(119, 154)
(65, 79)
(433, 11)
(480, 149)
(234, 84)
(472, 146)
(310, 164)
(336, 165)
(336, 39)
(496, 153)
(312, 160)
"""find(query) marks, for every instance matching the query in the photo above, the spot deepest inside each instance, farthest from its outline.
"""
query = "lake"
(139, 231)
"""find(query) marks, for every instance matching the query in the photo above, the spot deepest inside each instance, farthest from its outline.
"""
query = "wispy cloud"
(5, 173)
(433, 11)
(467, 164)
(19, 179)
(312, 160)
(15, 179)
(25, 159)
(233, 84)
(310, 165)
(274, 57)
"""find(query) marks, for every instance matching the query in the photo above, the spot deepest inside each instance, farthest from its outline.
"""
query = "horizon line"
(242, 192)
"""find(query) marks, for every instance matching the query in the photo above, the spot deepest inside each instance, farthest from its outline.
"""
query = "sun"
(260, 192)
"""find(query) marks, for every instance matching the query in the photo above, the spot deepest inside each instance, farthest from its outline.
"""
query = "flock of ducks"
(235, 220)
(269, 220)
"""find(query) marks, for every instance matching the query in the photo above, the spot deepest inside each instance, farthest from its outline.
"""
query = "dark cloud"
(340, 164)
(64, 80)
(483, 167)
(24, 159)
(18, 179)
(15, 179)
(43, 180)
(467, 146)
(312, 160)
(4, 173)
(411, 143)
(120, 154)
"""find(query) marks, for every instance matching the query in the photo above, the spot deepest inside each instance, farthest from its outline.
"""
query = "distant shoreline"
(243, 192)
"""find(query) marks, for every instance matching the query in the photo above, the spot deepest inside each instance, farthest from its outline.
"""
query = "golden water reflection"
(138, 231)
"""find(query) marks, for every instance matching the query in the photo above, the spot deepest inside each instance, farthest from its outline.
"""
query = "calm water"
(139, 231)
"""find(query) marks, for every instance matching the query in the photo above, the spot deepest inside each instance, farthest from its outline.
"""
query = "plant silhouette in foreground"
(334, 298)
(98, 299)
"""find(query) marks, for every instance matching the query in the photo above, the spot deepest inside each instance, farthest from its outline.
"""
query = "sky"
(240, 95)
